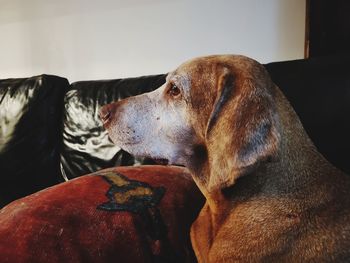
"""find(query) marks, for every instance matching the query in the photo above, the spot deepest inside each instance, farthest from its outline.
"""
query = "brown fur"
(270, 195)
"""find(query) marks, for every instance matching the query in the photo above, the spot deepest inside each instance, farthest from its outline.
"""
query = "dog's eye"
(174, 90)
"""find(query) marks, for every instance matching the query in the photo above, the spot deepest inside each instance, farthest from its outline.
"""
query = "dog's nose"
(106, 113)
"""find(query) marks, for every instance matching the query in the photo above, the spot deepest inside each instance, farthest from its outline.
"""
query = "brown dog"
(270, 196)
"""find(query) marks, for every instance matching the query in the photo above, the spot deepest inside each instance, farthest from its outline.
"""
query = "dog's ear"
(242, 129)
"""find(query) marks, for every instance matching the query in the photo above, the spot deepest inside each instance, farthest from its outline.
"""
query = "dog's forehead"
(200, 64)
(211, 64)
(194, 67)
(205, 71)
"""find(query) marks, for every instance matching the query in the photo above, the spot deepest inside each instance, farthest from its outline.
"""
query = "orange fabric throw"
(123, 214)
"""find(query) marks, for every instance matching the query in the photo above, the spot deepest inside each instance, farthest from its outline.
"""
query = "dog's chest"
(247, 234)
(201, 235)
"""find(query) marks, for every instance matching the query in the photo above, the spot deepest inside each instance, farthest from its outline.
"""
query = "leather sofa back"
(319, 91)
(30, 134)
(86, 146)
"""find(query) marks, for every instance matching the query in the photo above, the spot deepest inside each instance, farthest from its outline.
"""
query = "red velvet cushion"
(124, 214)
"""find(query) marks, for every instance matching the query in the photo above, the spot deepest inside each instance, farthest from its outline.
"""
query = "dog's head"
(216, 115)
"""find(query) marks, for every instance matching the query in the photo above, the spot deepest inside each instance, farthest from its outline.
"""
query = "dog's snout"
(106, 113)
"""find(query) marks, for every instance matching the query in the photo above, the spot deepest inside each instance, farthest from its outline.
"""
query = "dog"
(270, 195)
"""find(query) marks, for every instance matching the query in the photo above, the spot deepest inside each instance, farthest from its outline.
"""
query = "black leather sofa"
(50, 130)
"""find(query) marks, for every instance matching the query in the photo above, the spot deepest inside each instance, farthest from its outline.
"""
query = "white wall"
(82, 39)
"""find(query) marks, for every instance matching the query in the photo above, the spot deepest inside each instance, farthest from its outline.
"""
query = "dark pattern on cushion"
(129, 195)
